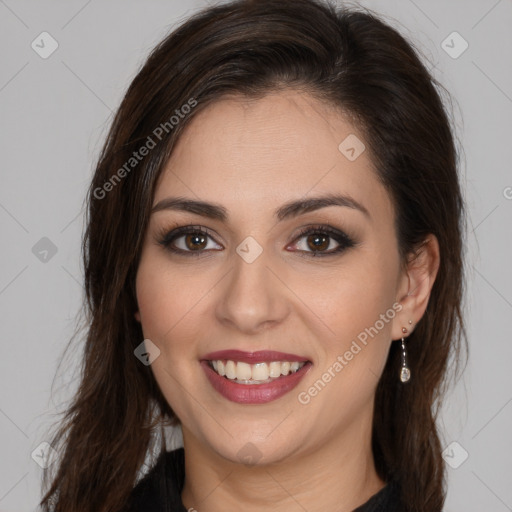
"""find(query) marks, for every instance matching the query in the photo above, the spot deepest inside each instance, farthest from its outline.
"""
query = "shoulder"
(161, 487)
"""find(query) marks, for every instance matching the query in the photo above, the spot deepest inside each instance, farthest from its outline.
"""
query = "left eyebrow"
(295, 208)
(286, 211)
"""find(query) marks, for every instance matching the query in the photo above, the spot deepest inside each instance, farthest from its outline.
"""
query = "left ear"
(415, 285)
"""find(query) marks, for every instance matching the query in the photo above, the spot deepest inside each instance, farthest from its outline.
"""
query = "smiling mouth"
(258, 373)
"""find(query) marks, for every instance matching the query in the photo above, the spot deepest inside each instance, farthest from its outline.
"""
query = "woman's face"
(252, 281)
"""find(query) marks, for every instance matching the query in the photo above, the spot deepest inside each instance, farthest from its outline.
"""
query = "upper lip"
(260, 356)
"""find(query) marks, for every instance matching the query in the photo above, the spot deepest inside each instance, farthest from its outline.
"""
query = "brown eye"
(189, 240)
(318, 242)
(322, 241)
(195, 241)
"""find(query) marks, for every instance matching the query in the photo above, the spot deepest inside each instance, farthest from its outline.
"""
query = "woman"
(273, 262)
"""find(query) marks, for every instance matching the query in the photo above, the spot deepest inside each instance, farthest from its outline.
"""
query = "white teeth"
(274, 369)
(260, 371)
(243, 371)
(231, 370)
(255, 373)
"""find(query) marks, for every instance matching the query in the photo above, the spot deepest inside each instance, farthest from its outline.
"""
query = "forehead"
(253, 153)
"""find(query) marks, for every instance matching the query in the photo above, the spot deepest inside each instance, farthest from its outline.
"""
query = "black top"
(151, 494)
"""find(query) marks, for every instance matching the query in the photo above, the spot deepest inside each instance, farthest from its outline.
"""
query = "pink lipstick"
(254, 377)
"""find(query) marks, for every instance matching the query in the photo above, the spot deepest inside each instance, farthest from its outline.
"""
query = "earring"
(405, 371)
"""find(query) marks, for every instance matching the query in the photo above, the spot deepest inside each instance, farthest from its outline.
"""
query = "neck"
(339, 475)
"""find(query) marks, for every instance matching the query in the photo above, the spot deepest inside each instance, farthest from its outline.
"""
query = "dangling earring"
(405, 371)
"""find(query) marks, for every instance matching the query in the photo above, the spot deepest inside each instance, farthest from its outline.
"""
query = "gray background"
(55, 113)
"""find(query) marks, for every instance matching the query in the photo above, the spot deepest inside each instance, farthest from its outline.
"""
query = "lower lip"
(254, 393)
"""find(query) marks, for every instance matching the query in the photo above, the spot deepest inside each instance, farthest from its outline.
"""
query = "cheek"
(356, 303)
(165, 299)
(351, 297)
(169, 305)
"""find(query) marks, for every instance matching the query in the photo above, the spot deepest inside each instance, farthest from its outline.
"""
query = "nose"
(253, 298)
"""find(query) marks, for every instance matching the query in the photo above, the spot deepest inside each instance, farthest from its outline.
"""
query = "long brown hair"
(353, 61)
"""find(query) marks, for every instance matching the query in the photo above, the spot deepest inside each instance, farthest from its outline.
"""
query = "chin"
(251, 450)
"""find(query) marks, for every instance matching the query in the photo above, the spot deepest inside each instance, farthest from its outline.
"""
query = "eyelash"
(165, 238)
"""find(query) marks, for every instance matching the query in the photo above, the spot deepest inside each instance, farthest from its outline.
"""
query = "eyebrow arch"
(286, 211)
